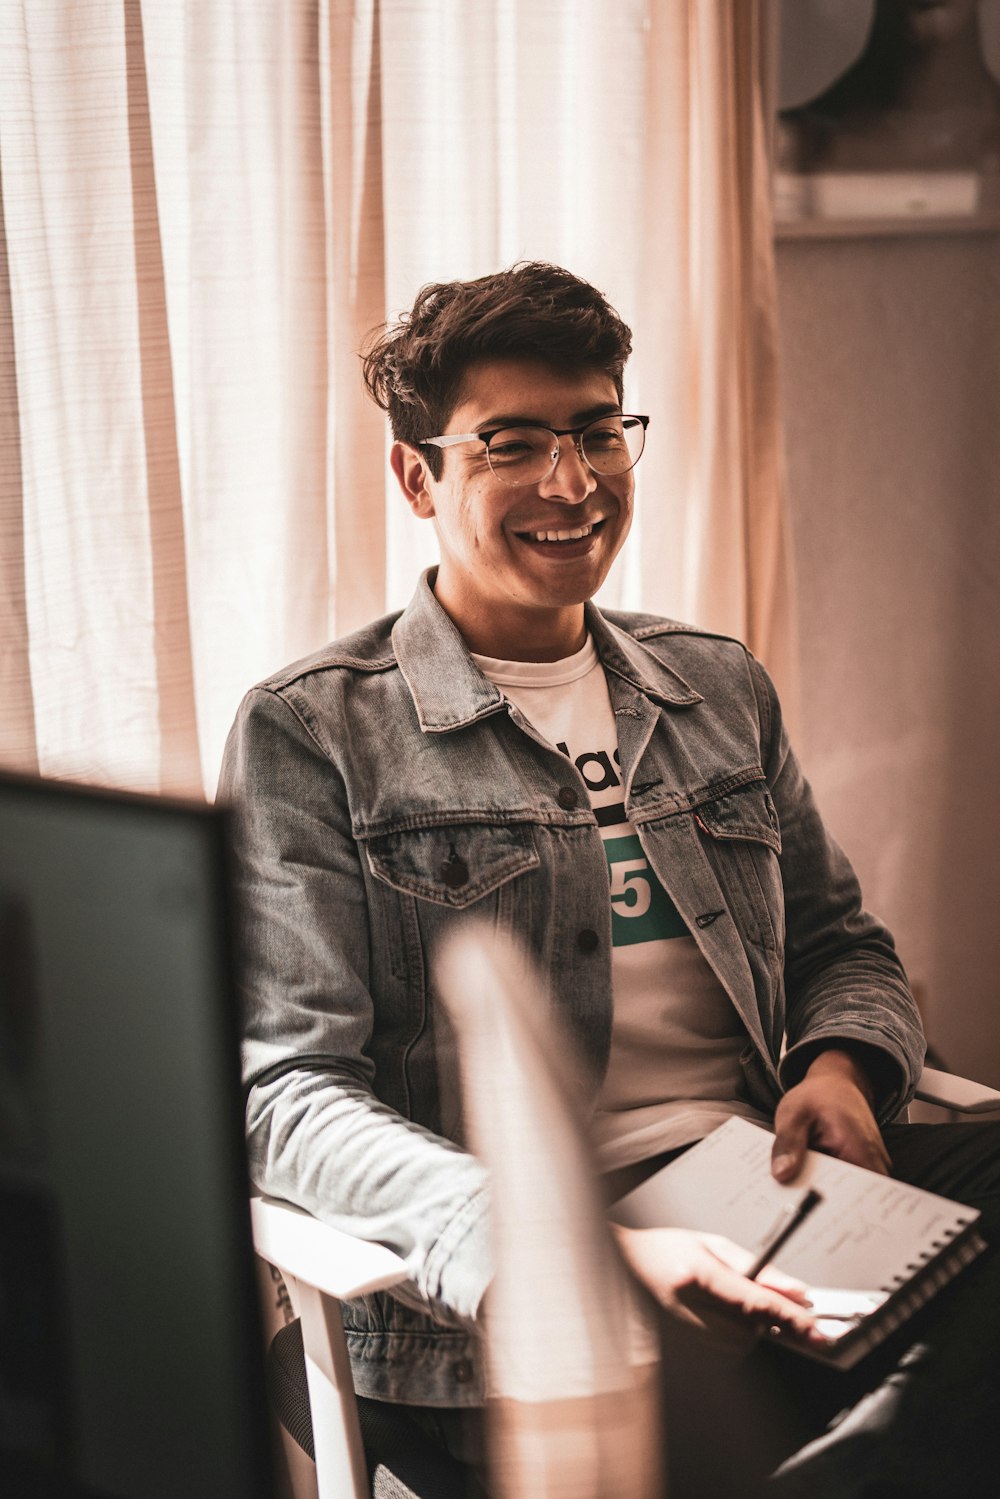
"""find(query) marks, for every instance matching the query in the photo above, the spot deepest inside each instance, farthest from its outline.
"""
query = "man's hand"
(700, 1279)
(829, 1110)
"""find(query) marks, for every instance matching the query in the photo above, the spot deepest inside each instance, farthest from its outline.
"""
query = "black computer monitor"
(130, 1345)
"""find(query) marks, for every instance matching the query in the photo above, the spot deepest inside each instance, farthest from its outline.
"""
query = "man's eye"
(605, 437)
(512, 447)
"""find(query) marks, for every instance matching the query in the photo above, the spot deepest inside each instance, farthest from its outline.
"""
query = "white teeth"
(573, 535)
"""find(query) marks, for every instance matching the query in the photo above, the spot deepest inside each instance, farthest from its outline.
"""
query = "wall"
(891, 372)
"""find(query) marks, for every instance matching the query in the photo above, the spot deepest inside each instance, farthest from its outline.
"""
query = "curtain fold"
(68, 212)
(207, 208)
(350, 82)
(179, 767)
(769, 624)
(718, 551)
(17, 715)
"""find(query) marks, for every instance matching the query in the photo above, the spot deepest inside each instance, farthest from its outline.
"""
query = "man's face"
(517, 563)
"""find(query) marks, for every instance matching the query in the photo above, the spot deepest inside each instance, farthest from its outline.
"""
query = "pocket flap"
(747, 813)
(453, 864)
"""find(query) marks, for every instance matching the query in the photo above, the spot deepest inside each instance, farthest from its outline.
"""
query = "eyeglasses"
(528, 454)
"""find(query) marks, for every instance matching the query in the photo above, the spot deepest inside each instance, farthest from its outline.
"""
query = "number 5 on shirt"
(630, 892)
(641, 910)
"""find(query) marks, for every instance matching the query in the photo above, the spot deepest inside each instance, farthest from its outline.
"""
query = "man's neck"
(518, 634)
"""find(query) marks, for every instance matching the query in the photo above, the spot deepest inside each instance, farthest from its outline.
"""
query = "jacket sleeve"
(844, 981)
(318, 1135)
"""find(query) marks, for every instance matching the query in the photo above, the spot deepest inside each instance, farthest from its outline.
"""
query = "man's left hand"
(829, 1110)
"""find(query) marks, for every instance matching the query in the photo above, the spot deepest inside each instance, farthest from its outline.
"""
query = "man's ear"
(413, 478)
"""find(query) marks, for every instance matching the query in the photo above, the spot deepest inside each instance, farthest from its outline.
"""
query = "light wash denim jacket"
(385, 790)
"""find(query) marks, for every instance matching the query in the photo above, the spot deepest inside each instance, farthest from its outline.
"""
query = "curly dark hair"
(414, 368)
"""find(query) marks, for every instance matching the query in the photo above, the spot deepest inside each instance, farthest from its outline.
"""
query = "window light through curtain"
(206, 207)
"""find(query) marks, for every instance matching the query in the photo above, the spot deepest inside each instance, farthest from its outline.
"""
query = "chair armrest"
(957, 1093)
(321, 1267)
(336, 1263)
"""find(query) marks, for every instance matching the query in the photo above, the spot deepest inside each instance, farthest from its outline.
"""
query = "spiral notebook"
(873, 1252)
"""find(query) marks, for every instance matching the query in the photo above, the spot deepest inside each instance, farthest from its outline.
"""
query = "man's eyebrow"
(518, 419)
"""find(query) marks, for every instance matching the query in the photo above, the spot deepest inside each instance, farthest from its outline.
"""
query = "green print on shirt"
(641, 910)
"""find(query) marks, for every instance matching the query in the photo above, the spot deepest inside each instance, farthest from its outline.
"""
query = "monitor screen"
(130, 1344)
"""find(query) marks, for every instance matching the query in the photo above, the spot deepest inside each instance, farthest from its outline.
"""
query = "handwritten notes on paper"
(869, 1233)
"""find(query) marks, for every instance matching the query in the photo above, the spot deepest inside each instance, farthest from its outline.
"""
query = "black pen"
(799, 1215)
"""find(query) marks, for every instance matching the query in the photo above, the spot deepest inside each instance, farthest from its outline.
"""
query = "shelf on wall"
(817, 228)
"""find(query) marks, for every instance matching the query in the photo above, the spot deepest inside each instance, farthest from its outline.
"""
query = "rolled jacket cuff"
(460, 1266)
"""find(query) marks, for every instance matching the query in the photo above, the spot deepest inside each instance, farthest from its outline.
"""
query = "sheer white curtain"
(207, 206)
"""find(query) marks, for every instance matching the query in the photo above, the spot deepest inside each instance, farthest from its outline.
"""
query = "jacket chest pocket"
(742, 839)
(427, 876)
(424, 882)
(452, 865)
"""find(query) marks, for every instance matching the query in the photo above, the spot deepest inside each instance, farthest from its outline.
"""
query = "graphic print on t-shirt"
(673, 1070)
(641, 910)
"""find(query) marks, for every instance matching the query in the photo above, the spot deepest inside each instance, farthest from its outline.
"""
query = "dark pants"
(918, 1418)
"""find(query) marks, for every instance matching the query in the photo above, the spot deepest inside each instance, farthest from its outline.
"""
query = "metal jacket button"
(567, 797)
(455, 872)
(587, 940)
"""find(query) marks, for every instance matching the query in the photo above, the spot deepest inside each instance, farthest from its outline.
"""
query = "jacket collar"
(621, 653)
(449, 691)
(447, 687)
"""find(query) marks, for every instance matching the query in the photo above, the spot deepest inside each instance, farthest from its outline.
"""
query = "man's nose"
(572, 479)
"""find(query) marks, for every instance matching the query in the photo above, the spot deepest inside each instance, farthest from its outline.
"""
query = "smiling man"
(532, 504)
(615, 789)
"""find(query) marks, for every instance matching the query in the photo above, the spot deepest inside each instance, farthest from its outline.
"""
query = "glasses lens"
(521, 455)
(613, 444)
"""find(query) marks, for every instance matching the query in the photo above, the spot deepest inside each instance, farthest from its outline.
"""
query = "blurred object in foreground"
(573, 1409)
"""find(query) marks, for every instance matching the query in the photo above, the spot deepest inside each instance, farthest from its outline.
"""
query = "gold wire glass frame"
(528, 453)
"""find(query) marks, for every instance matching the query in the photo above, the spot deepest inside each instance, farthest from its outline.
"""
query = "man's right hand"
(700, 1279)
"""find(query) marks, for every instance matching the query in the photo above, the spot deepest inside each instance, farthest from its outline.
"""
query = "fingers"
(765, 1306)
(791, 1139)
(740, 1260)
(828, 1112)
(777, 1280)
(683, 1267)
(700, 1280)
(869, 1152)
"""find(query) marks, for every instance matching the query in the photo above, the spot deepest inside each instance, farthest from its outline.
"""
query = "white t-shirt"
(676, 1037)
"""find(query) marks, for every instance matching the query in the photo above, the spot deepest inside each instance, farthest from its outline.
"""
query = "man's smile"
(549, 534)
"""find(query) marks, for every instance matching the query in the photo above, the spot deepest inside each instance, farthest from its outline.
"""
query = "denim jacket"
(385, 790)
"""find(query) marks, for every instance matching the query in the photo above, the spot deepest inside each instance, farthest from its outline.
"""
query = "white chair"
(956, 1094)
(322, 1267)
(319, 1268)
